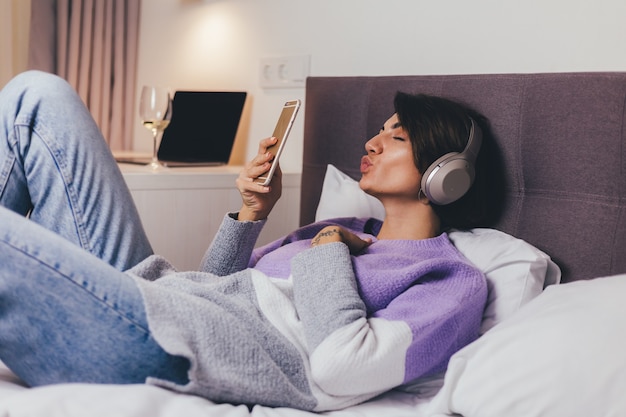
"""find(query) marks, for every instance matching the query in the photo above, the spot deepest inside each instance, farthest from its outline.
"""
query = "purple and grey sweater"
(312, 328)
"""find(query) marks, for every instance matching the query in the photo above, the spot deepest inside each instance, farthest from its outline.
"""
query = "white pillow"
(342, 197)
(516, 271)
(561, 355)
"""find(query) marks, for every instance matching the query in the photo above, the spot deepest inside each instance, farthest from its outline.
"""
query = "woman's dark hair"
(437, 126)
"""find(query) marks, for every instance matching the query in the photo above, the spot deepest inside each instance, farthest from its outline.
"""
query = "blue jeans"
(67, 311)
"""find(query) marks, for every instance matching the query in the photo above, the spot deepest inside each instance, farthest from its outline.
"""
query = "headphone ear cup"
(448, 178)
(451, 176)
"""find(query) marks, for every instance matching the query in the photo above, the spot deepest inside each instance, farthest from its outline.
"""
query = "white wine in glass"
(155, 110)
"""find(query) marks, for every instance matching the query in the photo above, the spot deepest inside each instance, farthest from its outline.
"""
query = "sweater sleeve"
(353, 354)
(349, 353)
(232, 246)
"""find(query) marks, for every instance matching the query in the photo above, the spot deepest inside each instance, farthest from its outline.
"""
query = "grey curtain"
(93, 45)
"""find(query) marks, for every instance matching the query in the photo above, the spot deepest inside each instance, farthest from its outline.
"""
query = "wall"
(217, 44)
(14, 27)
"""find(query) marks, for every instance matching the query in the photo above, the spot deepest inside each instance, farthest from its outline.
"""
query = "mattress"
(94, 400)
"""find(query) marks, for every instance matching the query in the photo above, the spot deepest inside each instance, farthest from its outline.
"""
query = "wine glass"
(155, 110)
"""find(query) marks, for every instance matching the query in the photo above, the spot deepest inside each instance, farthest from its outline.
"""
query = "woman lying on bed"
(330, 316)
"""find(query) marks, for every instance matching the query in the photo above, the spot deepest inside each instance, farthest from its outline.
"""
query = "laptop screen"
(203, 126)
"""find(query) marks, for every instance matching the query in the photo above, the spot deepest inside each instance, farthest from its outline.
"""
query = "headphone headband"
(474, 142)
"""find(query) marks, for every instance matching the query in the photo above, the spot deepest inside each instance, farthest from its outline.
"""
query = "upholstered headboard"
(562, 139)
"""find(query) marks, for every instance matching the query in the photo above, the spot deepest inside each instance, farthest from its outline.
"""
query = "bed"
(554, 254)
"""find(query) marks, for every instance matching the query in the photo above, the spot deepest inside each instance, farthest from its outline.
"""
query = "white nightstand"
(182, 208)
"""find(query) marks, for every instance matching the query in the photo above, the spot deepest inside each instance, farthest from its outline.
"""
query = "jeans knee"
(43, 84)
(37, 78)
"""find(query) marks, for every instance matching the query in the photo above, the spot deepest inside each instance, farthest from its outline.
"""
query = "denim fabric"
(55, 163)
(67, 312)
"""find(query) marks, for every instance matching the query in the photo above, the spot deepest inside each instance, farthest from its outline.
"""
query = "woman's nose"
(372, 145)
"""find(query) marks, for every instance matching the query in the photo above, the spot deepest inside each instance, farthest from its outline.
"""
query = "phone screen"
(281, 132)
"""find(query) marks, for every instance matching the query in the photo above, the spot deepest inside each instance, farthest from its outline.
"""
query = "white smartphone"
(281, 132)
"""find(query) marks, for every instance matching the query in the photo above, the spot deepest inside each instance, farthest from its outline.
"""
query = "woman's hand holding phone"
(258, 200)
(260, 182)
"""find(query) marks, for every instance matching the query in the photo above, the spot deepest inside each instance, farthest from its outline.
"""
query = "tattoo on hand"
(322, 234)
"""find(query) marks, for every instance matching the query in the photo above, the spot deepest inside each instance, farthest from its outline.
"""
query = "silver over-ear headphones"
(451, 176)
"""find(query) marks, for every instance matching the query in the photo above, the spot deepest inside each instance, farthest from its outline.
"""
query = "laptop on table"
(202, 130)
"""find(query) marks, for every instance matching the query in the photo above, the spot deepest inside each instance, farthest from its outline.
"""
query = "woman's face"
(388, 169)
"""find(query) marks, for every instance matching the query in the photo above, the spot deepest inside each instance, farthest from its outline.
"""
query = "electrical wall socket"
(284, 71)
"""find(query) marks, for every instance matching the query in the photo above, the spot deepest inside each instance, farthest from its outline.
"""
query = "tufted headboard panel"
(561, 138)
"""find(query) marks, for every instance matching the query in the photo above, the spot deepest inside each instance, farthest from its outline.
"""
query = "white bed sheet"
(80, 400)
